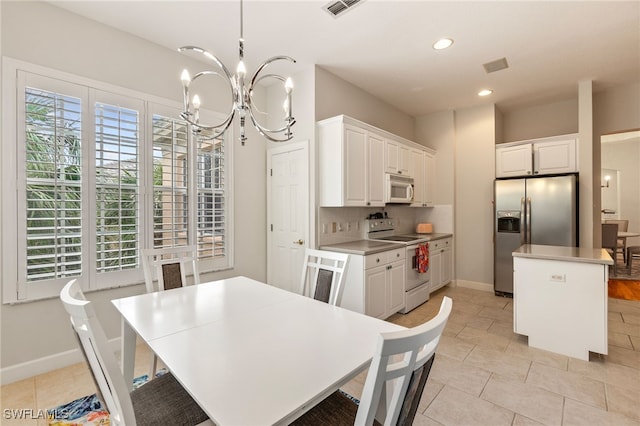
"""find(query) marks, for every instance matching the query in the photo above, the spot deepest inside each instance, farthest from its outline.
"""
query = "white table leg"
(128, 353)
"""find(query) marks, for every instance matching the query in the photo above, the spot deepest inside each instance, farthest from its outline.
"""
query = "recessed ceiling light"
(485, 92)
(443, 43)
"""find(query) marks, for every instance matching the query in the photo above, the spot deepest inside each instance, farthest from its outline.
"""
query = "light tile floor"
(484, 374)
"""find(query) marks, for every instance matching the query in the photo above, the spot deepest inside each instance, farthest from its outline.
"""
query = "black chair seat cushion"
(163, 401)
(338, 409)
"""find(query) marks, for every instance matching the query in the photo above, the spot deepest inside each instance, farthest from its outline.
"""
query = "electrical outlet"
(348, 226)
(324, 228)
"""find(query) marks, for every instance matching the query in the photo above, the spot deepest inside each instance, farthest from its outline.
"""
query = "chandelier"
(241, 95)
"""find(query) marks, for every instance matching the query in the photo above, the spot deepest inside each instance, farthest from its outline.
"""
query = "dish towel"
(422, 257)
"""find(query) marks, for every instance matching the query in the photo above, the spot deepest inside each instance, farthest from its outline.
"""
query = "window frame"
(13, 180)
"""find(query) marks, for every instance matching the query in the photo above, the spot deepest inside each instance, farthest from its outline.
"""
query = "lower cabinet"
(440, 263)
(375, 283)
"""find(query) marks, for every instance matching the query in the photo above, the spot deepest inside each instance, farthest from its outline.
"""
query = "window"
(84, 161)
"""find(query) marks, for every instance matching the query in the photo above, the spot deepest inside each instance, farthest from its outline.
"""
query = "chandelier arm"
(210, 56)
(267, 133)
(276, 76)
(254, 78)
(221, 128)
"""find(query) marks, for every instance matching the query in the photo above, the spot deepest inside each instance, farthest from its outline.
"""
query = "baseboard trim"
(475, 285)
(46, 364)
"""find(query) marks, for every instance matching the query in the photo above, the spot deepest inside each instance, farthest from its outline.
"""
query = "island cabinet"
(374, 283)
(537, 157)
(560, 298)
(351, 164)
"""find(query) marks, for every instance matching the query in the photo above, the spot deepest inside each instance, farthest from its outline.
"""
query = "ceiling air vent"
(338, 7)
(496, 65)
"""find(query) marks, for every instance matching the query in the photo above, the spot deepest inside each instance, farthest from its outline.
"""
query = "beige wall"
(624, 156)
(557, 118)
(58, 39)
(475, 172)
(334, 96)
(616, 109)
(438, 131)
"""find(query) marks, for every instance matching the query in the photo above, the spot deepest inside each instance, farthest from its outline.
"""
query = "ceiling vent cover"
(339, 7)
(496, 65)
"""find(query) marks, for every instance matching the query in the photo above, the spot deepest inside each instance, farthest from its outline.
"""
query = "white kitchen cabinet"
(351, 161)
(552, 157)
(560, 298)
(397, 158)
(375, 170)
(440, 263)
(537, 157)
(423, 178)
(374, 284)
(514, 160)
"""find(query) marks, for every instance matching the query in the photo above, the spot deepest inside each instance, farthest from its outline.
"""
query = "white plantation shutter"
(53, 176)
(117, 179)
(170, 182)
(212, 199)
(99, 173)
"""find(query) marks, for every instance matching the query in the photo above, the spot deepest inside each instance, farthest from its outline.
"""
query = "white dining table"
(247, 352)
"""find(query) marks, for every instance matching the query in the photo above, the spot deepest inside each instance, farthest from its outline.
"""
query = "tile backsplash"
(341, 224)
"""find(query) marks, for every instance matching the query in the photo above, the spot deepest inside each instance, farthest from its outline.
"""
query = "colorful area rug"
(88, 410)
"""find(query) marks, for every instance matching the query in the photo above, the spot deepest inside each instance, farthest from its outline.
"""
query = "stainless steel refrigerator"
(537, 210)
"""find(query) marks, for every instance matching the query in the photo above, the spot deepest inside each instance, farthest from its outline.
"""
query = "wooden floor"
(624, 289)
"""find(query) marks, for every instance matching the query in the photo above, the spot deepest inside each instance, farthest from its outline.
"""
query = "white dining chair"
(167, 268)
(158, 402)
(400, 366)
(323, 274)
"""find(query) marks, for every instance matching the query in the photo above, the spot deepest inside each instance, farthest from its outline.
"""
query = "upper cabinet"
(351, 165)
(424, 177)
(545, 156)
(353, 158)
(397, 158)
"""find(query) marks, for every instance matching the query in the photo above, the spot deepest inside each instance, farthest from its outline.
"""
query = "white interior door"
(287, 213)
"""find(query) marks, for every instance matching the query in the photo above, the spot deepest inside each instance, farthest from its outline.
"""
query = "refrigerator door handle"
(523, 235)
(528, 219)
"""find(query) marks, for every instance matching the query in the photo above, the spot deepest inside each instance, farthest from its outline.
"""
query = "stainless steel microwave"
(398, 189)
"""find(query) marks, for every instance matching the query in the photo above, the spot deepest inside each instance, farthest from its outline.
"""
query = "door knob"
(299, 242)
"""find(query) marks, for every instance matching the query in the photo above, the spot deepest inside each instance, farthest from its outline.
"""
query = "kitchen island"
(560, 298)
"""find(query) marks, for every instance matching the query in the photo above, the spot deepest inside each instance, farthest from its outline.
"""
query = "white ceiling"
(384, 46)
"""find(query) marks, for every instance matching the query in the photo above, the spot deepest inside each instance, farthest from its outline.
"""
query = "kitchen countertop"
(566, 254)
(366, 247)
(363, 247)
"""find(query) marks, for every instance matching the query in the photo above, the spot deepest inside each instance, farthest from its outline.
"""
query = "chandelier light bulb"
(241, 70)
(288, 85)
(185, 77)
(196, 102)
